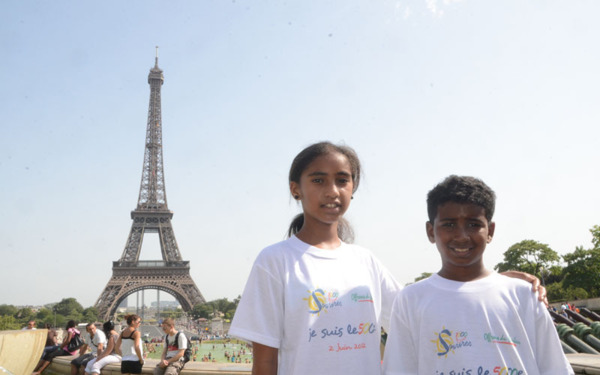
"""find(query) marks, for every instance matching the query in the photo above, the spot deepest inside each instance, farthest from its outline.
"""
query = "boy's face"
(461, 232)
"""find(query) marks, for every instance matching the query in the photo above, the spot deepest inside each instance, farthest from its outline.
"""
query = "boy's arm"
(401, 355)
(110, 345)
(176, 357)
(548, 350)
(165, 350)
(100, 349)
(534, 281)
(265, 359)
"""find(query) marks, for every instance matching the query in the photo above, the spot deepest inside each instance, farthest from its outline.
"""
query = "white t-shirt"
(323, 309)
(173, 349)
(494, 325)
(99, 338)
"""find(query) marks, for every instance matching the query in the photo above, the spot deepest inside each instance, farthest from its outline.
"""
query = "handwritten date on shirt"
(341, 348)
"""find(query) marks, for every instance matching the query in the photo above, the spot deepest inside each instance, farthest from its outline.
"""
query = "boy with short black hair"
(466, 319)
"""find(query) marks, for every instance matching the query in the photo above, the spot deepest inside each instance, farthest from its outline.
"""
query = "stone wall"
(61, 366)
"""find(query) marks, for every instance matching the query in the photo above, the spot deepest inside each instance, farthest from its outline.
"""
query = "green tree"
(44, 316)
(555, 292)
(596, 236)
(8, 322)
(173, 313)
(25, 314)
(202, 310)
(90, 315)
(61, 321)
(573, 293)
(226, 307)
(8, 310)
(558, 293)
(209, 309)
(70, 309)
(583, 270)
(529, 256)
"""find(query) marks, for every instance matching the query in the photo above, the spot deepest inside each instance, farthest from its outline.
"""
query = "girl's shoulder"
(358, 249)
(280, 250)
(362, 253)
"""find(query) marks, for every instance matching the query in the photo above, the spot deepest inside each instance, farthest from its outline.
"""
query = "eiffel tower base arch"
(171, 277)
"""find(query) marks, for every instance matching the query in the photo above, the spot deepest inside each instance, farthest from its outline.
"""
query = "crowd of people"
(564, 307)
(99, 348)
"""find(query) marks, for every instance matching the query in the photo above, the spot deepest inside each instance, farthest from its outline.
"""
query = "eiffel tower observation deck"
(152, 215)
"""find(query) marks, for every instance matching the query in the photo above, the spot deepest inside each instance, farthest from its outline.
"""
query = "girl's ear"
(295, 190)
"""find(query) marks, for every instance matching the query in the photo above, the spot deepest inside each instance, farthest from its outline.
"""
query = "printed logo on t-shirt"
(502, 339)
(319, 300)
(362, 297)
(447, 341)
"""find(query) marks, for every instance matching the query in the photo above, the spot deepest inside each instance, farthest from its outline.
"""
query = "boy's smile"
(461, 232)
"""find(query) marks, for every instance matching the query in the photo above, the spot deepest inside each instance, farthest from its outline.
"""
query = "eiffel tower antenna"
(152, 215)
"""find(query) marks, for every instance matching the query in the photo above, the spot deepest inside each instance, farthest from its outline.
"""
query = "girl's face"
(325, 189)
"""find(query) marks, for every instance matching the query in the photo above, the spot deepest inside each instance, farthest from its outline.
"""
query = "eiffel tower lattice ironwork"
(172, 274)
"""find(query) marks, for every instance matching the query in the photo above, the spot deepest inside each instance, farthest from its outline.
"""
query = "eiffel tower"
(172, 274)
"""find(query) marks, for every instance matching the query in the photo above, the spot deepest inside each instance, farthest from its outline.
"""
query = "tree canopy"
(583, 270)
(578, 279)
(210, 309)
(55, 315)
(528, 256)
(595, 236)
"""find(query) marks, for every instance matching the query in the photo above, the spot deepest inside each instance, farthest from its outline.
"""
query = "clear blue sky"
(508, 91)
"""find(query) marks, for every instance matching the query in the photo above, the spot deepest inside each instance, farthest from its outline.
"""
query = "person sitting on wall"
(94, 340)
(109, 354)
(51, 341)
(30, 326)
(171, 361)
(63, 350)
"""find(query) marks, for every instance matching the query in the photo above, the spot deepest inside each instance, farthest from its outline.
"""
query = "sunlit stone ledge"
(62, 366)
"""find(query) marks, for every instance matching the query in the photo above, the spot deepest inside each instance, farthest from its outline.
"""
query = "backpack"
(187, 354)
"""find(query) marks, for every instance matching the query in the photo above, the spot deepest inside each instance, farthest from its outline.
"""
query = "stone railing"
(581, 363)
(20, 352)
